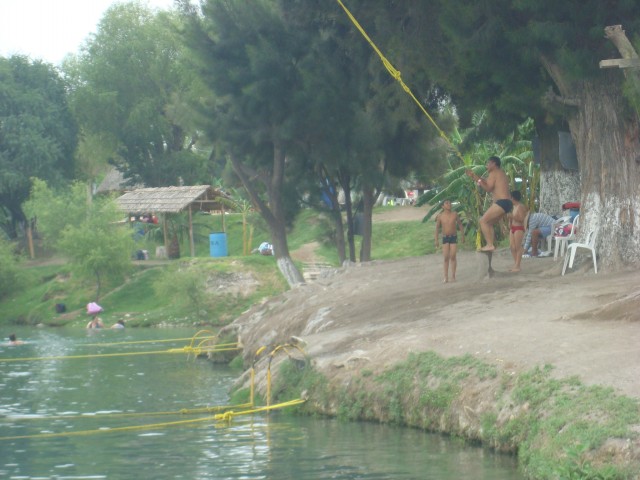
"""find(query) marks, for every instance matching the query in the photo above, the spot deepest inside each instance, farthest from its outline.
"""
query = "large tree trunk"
(557, 185)
(606, 131)
(336, 215)
(273, 212)
(368, 201)
(606, 135)
(340, 243)
(345, 183)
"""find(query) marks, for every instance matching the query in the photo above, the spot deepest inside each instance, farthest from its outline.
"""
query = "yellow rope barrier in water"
(108, 429)
(189, 350)
(227, 416)
(271, 355)
(396, 75)
(140, 342)
(230, 414)
(253, 374)
(89, 416)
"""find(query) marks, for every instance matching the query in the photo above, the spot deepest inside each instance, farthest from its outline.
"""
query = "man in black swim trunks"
(497, 184)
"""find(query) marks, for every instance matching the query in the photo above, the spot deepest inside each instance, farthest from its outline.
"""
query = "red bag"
(571, 205)
(563, 230)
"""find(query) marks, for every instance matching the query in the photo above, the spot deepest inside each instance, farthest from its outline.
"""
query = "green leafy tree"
(130, 91)
(368, 130)
(249, 58)
(38, 134)
(11, 278)
(54, 209)
(298, 85)
(540, 59)
(89, 233)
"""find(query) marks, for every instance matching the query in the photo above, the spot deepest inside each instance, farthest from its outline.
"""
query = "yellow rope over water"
(284, 347)
(230, 414)
(141, 342)
(89, 416)
(226, 416)
(396, 75)
(189, 350)
(109, 430)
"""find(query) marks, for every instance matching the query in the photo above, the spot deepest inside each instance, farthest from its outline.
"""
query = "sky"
(51, 29)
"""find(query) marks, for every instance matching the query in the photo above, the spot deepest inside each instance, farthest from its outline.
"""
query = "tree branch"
(618, 37)
(551, 97)
(241, 171)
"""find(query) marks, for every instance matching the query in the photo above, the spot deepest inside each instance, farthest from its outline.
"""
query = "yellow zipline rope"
(396, 75)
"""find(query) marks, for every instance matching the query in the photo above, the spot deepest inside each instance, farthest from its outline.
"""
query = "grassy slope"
(141, 299)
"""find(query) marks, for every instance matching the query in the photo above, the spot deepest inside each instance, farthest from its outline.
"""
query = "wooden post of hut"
(192, 245)
(164, 232)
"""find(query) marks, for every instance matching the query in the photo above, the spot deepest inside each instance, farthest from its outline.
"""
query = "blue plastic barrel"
(218, 244)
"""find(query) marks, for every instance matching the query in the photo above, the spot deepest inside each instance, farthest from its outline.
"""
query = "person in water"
(118, 324)
(96, 322)
(13, 340)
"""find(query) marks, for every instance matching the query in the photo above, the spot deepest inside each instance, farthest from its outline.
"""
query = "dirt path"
(370, 316)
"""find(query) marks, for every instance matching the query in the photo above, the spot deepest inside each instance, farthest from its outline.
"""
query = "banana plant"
(470, 201)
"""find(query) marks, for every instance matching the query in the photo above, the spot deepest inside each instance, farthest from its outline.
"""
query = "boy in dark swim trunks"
(497, 184)
(449, 222)
(516, 229)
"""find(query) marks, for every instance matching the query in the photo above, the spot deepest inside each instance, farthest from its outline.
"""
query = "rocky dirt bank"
(364, 319)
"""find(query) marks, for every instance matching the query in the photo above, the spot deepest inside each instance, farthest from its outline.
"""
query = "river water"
(96, 402)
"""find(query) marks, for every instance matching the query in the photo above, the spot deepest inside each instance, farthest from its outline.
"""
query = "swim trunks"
(505, 204)
(516, 228)
(449, 239)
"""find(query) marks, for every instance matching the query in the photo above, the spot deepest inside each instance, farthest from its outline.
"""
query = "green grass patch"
(187, 298)
(559, 427)
(569, 425)
(402, 239)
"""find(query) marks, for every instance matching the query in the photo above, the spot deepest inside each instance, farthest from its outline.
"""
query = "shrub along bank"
(558, 428)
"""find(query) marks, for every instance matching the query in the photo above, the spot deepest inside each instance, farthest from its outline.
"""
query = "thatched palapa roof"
(171, 199)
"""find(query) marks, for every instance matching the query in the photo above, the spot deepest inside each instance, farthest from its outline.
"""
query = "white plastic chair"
(562, 242)
(590, 245)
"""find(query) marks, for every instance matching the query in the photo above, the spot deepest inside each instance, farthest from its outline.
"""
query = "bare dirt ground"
(372, 315)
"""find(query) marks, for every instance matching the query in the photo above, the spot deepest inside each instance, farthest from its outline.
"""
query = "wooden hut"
(164, 201)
